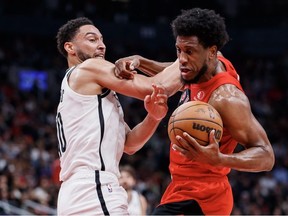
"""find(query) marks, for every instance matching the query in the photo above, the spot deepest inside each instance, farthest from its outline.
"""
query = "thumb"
(212, 136)
(131, 66)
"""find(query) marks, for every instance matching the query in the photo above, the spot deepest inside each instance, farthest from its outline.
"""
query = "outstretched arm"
(166, 74)
(156, 106)
(99, 72)
(125, 67)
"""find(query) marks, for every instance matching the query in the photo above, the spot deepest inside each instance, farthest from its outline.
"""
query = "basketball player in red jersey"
(199, 183)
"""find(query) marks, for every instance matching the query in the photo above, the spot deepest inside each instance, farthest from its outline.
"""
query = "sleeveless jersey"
(182, 168)
(90, 131)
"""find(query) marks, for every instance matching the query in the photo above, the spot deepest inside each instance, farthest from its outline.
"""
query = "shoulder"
(87, 76)
(227, 92)
(229, 98)
(96, 70)
(95, 64)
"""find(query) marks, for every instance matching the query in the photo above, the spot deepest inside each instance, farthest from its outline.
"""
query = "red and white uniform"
(191, 180)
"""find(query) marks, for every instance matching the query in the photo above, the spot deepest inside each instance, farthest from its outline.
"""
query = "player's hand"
(125, 67)
(156, 103)
(191, 149)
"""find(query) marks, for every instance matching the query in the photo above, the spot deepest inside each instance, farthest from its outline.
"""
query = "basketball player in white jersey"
(90, 126)
(137, 203)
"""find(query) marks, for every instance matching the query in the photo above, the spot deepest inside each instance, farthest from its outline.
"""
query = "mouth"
(184, 71)
(99, 56)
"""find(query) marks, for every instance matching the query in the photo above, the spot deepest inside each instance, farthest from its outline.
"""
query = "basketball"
(197, 118)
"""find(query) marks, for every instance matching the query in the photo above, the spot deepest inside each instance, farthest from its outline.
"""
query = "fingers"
(212, 138)
(179, 149)
(131, 66)
(187, 141)
(159, 88)
(124, 74)
(147, 99)
(117, 73)
(159, 95)
(124, 69)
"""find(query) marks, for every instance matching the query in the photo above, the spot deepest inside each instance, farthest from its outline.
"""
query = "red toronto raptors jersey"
(183, 168)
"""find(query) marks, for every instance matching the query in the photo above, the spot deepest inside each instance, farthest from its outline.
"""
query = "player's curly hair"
(68, 31)
(205, 24)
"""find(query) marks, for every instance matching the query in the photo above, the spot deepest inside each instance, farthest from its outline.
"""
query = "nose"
(182, 58)
(101, 45)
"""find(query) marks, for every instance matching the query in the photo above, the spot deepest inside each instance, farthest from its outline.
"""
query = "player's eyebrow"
(93, 34)
(87, 33)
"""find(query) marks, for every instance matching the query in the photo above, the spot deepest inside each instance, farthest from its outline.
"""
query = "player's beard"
(201, 72)
(82, 56)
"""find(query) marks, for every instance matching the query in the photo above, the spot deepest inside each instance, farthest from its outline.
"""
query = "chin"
(185, 81)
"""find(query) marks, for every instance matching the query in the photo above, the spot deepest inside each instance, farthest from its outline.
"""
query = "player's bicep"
(102, 72)
(246, 129)
(234, 108)
(237, 119)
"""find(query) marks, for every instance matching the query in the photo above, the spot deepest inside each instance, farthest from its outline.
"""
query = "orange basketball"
(197, 118)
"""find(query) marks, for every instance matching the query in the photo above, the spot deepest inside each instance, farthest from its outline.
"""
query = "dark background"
(28, 142)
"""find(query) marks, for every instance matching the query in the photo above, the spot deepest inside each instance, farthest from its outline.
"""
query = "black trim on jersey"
(69, 71)
(105, 92)
(99, 193)
(102, 123)
(101, 119)
(185, 97)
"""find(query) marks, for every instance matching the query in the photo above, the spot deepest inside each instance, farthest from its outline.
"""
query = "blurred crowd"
(29, 163)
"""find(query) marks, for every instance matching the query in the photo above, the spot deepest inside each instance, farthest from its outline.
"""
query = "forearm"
(140, 134)
(151, 67)
(254, 159)
(169, 78)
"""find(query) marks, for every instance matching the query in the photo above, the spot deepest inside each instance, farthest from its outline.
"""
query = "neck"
(216, 68)
(73, 61)
(212, 70)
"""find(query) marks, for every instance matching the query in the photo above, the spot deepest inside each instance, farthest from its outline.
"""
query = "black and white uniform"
(91, 134)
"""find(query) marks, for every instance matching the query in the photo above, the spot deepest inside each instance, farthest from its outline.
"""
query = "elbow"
(130, 151)
(269, 161)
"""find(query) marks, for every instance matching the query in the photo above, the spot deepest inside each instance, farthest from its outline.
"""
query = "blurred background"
(31, 71)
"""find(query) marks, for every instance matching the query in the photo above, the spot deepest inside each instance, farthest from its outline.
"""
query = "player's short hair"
(205, 24)
(68, 31)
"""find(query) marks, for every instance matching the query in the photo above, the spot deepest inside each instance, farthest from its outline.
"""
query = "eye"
(189, 52)
(92, 39)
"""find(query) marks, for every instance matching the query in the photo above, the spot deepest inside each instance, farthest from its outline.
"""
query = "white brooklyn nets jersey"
(90, 130)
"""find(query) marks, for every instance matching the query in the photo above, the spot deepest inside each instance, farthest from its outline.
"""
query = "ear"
(68, 46)
(213, 51)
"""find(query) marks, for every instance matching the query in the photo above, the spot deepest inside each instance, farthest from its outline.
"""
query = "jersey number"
(60, 135)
